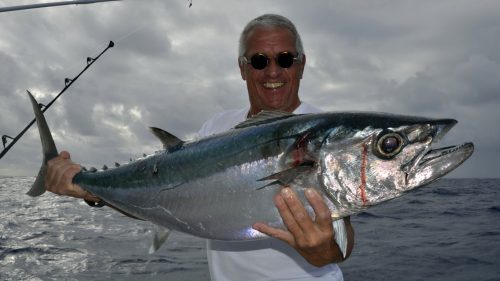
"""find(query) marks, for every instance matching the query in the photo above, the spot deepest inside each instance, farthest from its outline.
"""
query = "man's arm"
(313, 239)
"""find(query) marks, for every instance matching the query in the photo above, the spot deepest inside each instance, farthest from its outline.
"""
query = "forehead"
(270, 40)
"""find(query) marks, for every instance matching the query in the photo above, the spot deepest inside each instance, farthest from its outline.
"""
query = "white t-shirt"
(267, 259)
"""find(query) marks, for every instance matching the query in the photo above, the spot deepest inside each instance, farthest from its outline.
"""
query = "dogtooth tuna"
(217, 187)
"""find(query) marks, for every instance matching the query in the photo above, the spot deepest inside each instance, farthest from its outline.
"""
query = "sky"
(174, 67)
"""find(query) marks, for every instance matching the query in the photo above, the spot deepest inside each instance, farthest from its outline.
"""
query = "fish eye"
(389, 145)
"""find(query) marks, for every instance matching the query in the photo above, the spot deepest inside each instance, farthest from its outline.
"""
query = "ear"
(243, 69)
(302, 64)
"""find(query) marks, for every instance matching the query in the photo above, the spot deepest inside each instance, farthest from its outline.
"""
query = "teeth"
(274, 85)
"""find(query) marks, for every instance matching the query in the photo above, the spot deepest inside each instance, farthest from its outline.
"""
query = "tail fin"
(48, 147)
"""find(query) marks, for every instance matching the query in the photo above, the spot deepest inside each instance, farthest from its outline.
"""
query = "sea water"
(449, 230)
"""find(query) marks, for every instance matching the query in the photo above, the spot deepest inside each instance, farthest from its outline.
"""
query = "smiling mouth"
(273, 85)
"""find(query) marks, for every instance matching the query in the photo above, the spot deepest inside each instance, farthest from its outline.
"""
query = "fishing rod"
(59, 3)
(67, 83)
(51, 4)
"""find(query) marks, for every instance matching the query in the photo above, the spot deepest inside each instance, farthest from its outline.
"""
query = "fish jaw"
(437, 163)
(433, 163)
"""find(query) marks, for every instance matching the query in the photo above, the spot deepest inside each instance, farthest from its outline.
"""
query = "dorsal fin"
(263, 117)
(168, 140)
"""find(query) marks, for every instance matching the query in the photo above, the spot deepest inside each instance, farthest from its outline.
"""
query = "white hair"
(270, 20)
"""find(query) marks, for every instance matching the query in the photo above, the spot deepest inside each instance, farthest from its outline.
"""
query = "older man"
(271, 61)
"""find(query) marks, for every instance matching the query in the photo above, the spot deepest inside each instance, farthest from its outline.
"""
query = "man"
(271, 61)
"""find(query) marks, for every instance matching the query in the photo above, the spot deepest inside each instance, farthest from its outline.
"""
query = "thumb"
(65, 155)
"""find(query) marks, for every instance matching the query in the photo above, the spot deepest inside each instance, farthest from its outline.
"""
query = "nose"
(273, 69)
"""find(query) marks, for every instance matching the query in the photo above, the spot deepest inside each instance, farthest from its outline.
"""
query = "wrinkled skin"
(271, 42)
(313, 239)
(60, 173)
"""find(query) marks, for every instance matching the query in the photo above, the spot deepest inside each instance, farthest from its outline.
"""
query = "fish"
(218, 186)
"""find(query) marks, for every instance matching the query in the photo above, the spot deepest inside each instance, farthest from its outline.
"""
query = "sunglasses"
(260, 61)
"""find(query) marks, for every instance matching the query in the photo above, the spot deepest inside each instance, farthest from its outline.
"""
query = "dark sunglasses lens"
(285, 60)
(259, 61)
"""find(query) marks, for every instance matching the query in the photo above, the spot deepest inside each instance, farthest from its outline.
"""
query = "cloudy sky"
(173, 67)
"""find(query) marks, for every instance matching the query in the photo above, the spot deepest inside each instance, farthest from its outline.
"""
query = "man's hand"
(60, 173)
(313, 239)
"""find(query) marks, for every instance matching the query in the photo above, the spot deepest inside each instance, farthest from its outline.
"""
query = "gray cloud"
(173, 67)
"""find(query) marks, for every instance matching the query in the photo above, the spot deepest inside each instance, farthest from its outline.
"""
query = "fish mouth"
(439, 153)
(435, 163)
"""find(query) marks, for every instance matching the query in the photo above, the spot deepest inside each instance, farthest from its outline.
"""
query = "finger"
(62, 180)
(59, 178)
(286, 214)
(91, 197)
(323, 215)
(58, 162)
(73, 189)
(54, 167)
(297, 209)
(64, 154)
(280, 234)
(60, 169)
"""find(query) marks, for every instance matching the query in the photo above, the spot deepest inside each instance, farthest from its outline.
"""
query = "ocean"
(449, 230)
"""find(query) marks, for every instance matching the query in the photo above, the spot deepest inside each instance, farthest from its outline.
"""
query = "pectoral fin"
(287, 176)
(341, 235)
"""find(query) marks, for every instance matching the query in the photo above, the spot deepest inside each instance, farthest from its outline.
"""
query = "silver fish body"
(218, 187)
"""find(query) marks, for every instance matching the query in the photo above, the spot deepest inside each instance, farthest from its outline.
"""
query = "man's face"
(272, 88)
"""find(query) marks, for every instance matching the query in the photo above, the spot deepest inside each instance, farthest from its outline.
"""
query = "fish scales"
(211, 168)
